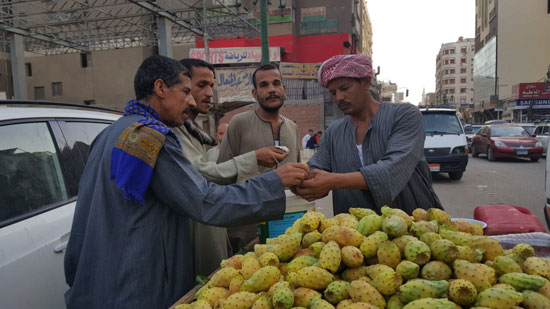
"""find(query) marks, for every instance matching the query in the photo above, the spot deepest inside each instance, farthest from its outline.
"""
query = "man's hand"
(292, 174)
(317, 185)
(270, 156)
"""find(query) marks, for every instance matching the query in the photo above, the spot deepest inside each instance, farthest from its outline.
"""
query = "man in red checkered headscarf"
(375, 155)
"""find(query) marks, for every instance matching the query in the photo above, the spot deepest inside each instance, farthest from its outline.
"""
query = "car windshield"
(441, 124)
(508, 132)
(475, 129)
(529, 129)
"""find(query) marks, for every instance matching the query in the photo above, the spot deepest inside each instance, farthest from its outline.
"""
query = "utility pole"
(211, 118)
(263, 30)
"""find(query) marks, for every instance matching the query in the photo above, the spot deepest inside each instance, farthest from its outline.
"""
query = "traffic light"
(407, 93)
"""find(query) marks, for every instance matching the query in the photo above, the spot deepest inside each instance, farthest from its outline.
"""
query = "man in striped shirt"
(374, 156)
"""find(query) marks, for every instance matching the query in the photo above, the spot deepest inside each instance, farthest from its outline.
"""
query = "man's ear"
(254, 93)
(160, 88)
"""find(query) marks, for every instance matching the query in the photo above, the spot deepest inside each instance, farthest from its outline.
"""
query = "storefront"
(530, 102)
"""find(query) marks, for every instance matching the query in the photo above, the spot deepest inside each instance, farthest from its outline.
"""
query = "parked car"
(43, 151)
(529, 127)
(496, 121)
(505, 141)
(542, 134)
(445, 146)
(471, 130)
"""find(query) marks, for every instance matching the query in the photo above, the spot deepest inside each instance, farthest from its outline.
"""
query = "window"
(545, 130)
(452, 61)
(463, 60)
(39, 93)
(463, 80)
(462, 70)
(463, 100)
(85, 60)
(28, 69)
(452, 90)
(463, 49)
(57, 89)
(451, 81)
(452, 51)
(31, 174)
(462, 90)
(538, 131)
(452, 71)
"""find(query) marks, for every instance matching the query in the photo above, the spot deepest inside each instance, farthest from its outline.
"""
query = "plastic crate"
(507, 219)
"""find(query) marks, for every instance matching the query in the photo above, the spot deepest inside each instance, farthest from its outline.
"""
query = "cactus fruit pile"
(393, 260)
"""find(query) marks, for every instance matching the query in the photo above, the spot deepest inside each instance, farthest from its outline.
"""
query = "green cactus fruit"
(417, 252)
(314, 277)
(331, 256)
(388, 254)
(361, 291)
(262, 279)
(235, 284)
(337, 291)
(343, 235)
(310, 221)
(213, 294)
(319, 303)
(420, 288)
(360, 213)
(458, 238)
(352, 256)
(361, 305)
(200, 304)
(536, 266)
(534, 300)
(545, 290)
(444, 250)
(402, 241)
(521, 281)
(250, 266)
(504, 264)
(421, 227)
(468, 254)
(524, 250)
(310, 238)
(269, 259)
(354, 273)
(462, 292)
(282, 298)
(429, 237)
(504, 286)
(518, 259)
(394, 226)
(260, 249)
(377, 269)
(287, 246)
(317, 247)
(439, 303)
(326, 223)
(240, 300)
(471, 272)
(438, 215)
(388, 212)
(223, 277)
(451, 226)
(369, 244)
(436, 270)
(407, 269)
(304, 296)
(499, 298)
(394, 303)
(369, 224)
(301, 262)
(345, 304)
(262, 302)
(490, 246)
(279, 285)
(387, 282)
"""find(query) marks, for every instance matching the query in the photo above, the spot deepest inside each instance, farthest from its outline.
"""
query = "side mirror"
(484, 135)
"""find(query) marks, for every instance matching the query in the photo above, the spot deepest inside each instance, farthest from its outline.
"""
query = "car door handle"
(61, 247)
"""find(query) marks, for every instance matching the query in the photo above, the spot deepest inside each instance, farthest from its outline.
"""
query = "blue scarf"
(136, 150)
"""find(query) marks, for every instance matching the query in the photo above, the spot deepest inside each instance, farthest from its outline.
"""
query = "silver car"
(542, 134)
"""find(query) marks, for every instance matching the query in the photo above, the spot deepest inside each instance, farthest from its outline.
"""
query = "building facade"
(512, 48)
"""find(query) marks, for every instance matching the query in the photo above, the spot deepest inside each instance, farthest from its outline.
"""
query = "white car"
(43, 151)
(542, 134)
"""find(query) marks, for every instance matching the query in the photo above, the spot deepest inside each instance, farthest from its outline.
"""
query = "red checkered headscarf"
(351, 66)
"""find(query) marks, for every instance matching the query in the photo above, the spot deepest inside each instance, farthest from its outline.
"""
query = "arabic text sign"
(299, 70)
(235, 55)
(324, 26)
(234, 84)
(313, 14)
(531, 91)
(275, 16)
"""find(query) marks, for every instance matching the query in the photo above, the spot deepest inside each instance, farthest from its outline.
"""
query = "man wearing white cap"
(374, 156)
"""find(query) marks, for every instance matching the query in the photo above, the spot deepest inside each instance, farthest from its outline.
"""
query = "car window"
(441, 124)
(508, 132)
(538, 130)
(546, 129)
(79, 136)
(30, 173)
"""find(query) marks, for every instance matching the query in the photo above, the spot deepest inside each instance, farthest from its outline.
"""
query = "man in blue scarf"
(129, 245)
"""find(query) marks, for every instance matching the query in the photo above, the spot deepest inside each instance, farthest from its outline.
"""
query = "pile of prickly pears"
(393, 260)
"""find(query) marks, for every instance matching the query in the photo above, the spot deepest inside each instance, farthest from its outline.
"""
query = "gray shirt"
(395, 168)
(124, 254)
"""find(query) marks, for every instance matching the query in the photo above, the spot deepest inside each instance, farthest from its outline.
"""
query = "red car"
(506, 141)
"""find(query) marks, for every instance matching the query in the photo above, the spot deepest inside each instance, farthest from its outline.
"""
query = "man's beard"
(271, 109)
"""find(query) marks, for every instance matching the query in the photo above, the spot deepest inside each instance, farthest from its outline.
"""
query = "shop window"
(39, 93)
(28, 69)
(57, 89)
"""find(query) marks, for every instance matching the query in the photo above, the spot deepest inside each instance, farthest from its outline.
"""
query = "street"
(506, 181)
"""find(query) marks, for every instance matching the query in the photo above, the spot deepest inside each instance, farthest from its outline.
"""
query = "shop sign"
(315, 27)
(299, 70)
(536, 103)
(275, 16)
(235, 55)
(234, 84)
(531, 91)
(313, 14)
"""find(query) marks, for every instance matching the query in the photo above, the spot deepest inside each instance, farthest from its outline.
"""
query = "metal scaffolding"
(67, 26)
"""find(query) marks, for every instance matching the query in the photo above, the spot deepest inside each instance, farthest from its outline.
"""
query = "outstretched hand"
(317, 185)
(292, 174)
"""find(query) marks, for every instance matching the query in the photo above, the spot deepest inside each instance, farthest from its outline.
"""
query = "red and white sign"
(531, 91)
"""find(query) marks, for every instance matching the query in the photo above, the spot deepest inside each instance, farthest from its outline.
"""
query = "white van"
(446, 146)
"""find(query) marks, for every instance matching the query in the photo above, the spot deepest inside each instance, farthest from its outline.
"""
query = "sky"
(407, 36)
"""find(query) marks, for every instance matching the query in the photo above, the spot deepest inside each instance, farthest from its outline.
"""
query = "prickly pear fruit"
(377, 269)
(305, 252)
(235, 261)
(523, 250)
(345, 304)
(469, 254)
(438, 215)
(235, 284)
(503, 265)
(262, 302)
(319, 303)
(394, 303)
(536, 266)
(240, 300)
(352, 256)
(344, 236)
(462, 292)
(250, 266)
(282, 298)
(337, 291)
(223, 277)
(355, 273)
(439, 303)
(201, 304)
(347, 220)
(310, 238)
(310, 221)
(262, 279)
(420, 214)
(387, 282)
(521, 281)
(331, 256)
(402, 241)
(387, 212)
(317, 247)
(444, 250)
(420, 288)
(369, 224)
(369, 244)
(269, 259)
(388, 254)
(534, 300)
(360, 213)
(545, 290)
(499, 298)
(417, 252)
(407, 269)
(213, 294)
(458, 238)
(260, 249)
(361, 291)
(314, 277)
(304, 296)
(429, 237)
(491, 246)
(394, 226)
(361, 305)
(287, 246)
(471, 272)
(436, 270)
(300, 262)
(421, 227)
(326, 223)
